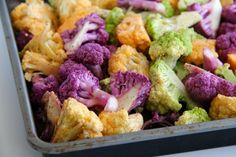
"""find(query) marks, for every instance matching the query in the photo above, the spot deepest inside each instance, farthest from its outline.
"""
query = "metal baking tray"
(160, 141)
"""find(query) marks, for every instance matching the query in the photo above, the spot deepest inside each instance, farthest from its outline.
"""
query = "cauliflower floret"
(78, 14)
(76, 122)
(127, 58)
(131, 31)
(223, 107)
(33, 15)
(196, 56)
(108, 4)
(65, 8)
(120, 122)
(44, 53)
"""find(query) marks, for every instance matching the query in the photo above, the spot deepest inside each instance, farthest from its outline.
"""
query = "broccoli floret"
(157, 25)
(196, 115)
(90, 28)
(82, 85)
(112, 20)
(172, 45)
(131, 89)
(167, 90)
(180, 70)
(183, 4)
(226, 73)
(164, 7)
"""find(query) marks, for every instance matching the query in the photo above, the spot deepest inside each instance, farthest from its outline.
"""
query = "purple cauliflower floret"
(90, 28)
(91, 53)
(41, 85)
(93, 56)
(210, 62)
(211, 15)
(164, 7)
(226, 28)
(82, 85)
(229, 13)
(203, 86)
(131, 89)
(68, 67)
(158, 120)
(22, 39)
(226, 44)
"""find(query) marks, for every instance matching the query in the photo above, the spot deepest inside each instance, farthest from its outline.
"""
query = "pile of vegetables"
(100, 68)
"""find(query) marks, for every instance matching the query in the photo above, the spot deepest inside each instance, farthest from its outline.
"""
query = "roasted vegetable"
(76, 122)
(131, 31)
(183, 4)
(226, 73)
(131, 89)
(196, 115)
(82, 85)
(127, 58)
(93, 56)
(229, 13)
(167, 90)
(157, 25)
(120, 122)
(33, 16)
(164, 7)
(172, 45)
(211, 15)
(65, 8)
(196, 57)
(203, 86)
(223, 107)
(43, 54)
(90, 28)
(112, 20)
(225, 45)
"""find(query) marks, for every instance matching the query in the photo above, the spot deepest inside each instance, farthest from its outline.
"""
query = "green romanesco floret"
(169, 10)
(196, 115)
(180, 70)
(172, 45)
(226, 73)
(183, 4)
(167, 90)
(105, 84)
(157, 25)
(112, 20)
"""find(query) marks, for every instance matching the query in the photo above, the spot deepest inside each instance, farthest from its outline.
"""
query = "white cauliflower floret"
(33, 15)
(76, 122)
(120, 122)
(43, 54)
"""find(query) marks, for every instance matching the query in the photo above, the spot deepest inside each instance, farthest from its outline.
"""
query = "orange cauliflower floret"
(131, 31)
(196, 57)
(44, 53)
(127, 58)
(33, 15)
(76, 122)
(76, 16)
(107, 4)
(120, 122)
(65, 8)
(223, 107)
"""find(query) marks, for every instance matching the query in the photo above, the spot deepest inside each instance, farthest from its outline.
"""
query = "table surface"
(12, 133)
